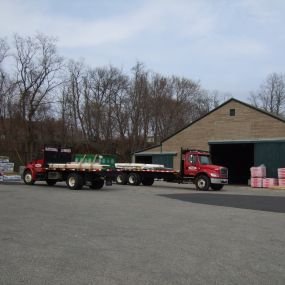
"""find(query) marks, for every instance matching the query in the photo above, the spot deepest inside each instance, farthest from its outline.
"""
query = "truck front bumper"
(219, 180)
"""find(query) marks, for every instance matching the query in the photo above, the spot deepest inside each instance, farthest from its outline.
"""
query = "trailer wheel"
(74, 181)
(97, 184)
(122, 179)
(50, 182)
(148, 181)
(217, 187)
(202, 182)
(134, 179)
(28, 177)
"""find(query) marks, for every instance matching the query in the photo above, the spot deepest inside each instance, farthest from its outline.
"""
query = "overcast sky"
(228, 45)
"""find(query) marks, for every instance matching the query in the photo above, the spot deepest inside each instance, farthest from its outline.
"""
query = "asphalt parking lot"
(164, 234)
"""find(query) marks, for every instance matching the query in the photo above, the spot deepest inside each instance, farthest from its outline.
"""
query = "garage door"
(271, 154)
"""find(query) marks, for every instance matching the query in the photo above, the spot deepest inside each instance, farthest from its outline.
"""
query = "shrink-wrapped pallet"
(281, 182)
(258, 172)
(269, 182)
(256, 182)
(281, 173)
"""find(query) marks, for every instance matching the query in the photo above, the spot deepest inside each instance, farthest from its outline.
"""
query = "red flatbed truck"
(195, 166)
(56, 165)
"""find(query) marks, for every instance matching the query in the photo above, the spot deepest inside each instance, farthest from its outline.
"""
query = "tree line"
(47, 99)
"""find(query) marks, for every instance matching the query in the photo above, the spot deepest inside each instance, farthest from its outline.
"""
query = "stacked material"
(77, 165)
(281, 182)
(269, 182)
(7, 170)
(139, 166)
(5, 165)
(257, 176)
(256, 182)
(281, 177)
(281, 173)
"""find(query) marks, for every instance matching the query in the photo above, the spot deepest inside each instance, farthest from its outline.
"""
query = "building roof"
(220, 106)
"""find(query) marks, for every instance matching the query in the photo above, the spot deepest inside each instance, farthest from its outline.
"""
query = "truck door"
(190, 167)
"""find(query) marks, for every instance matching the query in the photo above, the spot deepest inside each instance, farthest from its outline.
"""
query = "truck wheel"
(122, 179)
(50, 182)
(74, 181)
(202, 183)
(97, 184)
(148, 181)
(217, 187)
(134, 179)
(28, 177)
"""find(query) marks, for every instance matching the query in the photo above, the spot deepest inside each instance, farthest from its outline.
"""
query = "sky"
(227, 45)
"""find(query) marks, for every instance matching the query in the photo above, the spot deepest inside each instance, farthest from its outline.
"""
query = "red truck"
(195, 166)
(56, 165)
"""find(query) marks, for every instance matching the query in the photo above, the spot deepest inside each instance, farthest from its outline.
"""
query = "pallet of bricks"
(259, 180)
(281, 178)
(7, 170)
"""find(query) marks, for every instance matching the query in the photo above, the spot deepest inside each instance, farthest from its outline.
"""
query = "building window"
(232, 112)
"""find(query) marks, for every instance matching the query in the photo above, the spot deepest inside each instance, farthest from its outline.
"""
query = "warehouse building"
(238, 136)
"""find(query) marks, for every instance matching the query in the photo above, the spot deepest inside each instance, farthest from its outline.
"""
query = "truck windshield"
(204, 159)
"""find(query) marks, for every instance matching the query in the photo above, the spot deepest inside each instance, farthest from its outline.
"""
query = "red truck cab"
(36, 170)
(197, 166)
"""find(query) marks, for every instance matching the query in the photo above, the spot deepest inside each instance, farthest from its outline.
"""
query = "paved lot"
(164, 234)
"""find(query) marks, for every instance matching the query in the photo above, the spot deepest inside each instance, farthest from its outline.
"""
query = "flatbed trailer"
(146, 177)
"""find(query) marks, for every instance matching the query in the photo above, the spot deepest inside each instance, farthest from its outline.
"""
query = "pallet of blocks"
(257, 176)
(281, 180)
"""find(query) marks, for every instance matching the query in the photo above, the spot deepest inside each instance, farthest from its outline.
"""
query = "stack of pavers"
(281, 177)
(259, 180)
(257, 176)
(7, 170)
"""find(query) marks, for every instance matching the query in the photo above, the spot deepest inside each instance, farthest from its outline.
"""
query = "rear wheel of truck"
(28, 177)
(97, 184)
(202, 183)
(134, 179)
(217, 187)
(50, 182)
(74, 181)
(122, 179)
(147, 181)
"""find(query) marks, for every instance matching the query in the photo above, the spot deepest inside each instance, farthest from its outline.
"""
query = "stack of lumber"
(139, 166)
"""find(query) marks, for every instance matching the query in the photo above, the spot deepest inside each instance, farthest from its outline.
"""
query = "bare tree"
(271, 95)
(37, 66)
(4, 79)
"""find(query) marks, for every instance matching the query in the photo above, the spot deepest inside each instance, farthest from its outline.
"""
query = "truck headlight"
(214, 175)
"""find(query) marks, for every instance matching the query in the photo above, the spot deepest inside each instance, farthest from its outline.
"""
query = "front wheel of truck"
(202, 182)
(28, 177)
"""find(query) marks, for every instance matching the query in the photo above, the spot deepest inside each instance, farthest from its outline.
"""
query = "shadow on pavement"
(259, 203)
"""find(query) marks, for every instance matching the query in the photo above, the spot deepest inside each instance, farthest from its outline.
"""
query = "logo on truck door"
(192, 167)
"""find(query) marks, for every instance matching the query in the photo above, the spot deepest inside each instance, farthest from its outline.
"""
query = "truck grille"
(224, 172)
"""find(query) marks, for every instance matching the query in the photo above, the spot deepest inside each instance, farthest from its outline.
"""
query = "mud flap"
(108, 182)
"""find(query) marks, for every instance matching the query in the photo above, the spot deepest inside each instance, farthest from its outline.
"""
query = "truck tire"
(50, 182)
(97, 184)
(122, 179)
(147, 181)
(217, 187)
(134, 179)
(74, 181)
(202, 182)
(28, 177)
